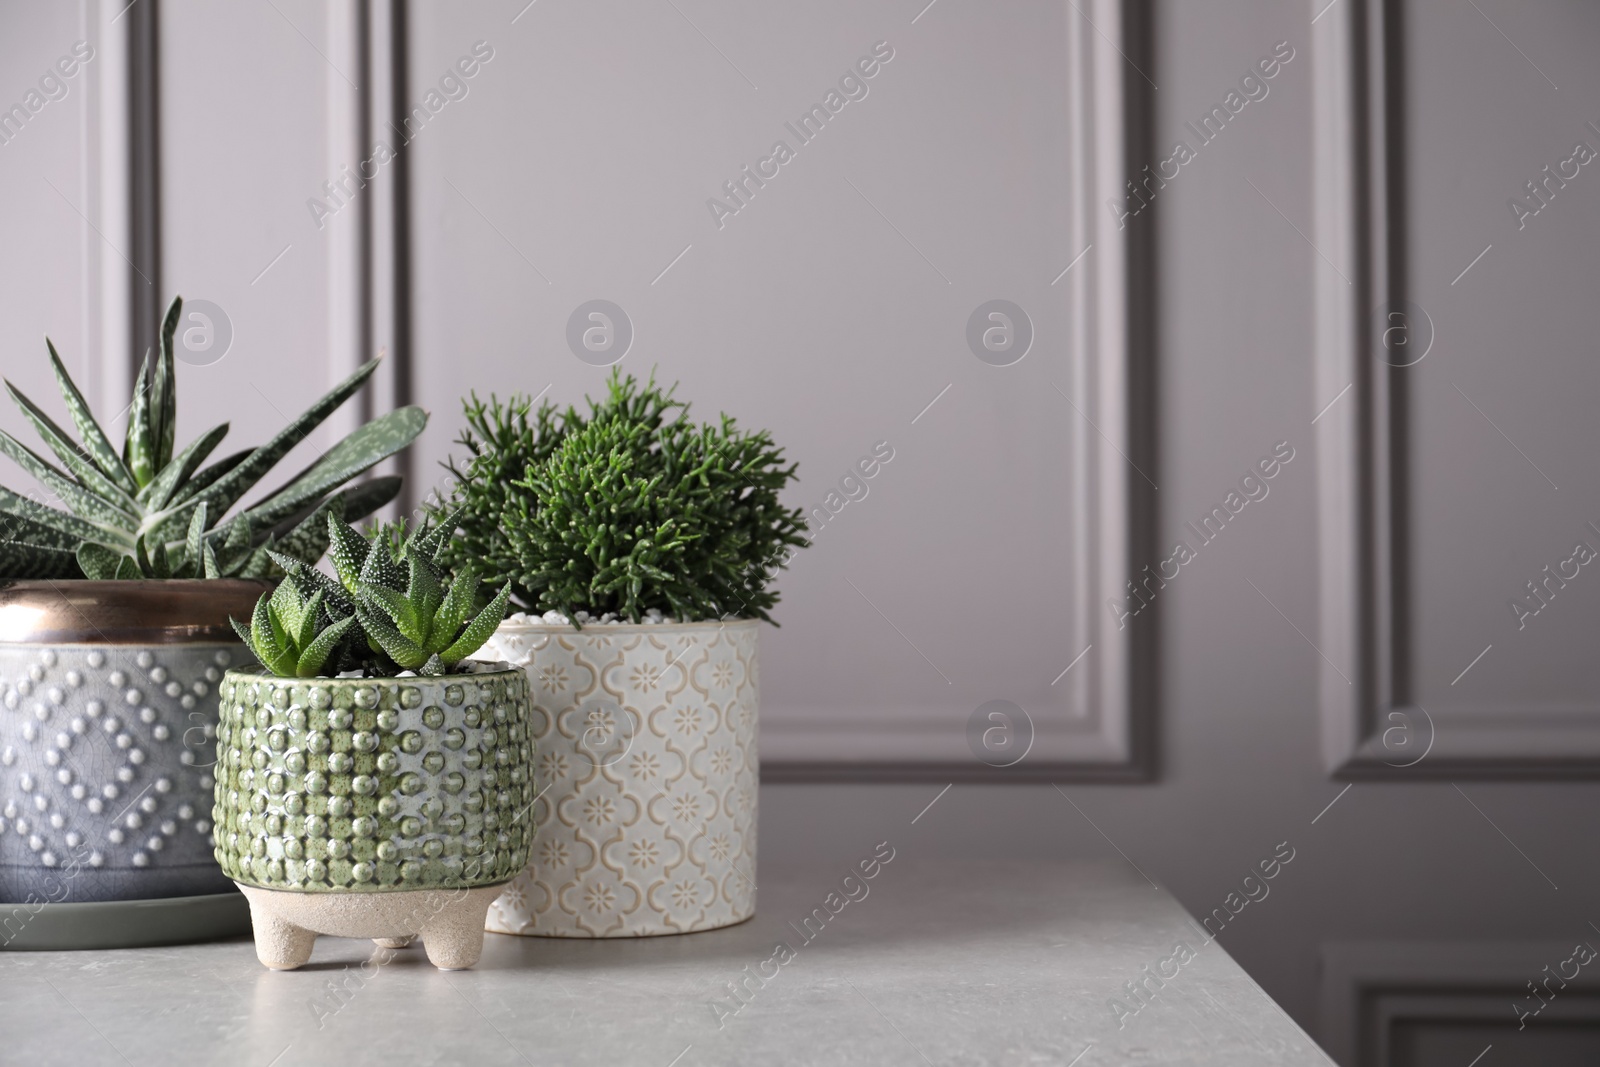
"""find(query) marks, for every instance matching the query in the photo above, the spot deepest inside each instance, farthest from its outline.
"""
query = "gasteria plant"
(627, 508)
(148, 511)
(391, 608)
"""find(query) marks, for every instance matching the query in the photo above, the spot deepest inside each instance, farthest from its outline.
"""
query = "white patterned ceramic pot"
(647, 766)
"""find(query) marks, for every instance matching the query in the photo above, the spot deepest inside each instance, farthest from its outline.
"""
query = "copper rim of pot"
(146, 612)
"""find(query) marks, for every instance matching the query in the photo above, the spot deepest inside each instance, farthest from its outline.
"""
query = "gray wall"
(584, 152)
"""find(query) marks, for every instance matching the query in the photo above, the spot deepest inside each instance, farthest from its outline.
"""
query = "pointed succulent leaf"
(226, 490)
(283, 611)
(428, 540)
(423, 594)
(160, 562)
(380, 568)
(336, 599)
(381, 632)
(86, 504)
(314, 655)
(243, 631)
(17, 528)
(205, 476)
(479, 630)
(235, 542)
(164, 391)
(161, 490)
(22, 559)
(138, 454)
(452, 613)
(263, 631)
(69, 453)
(95, 441)
(349, 551)
(366, 446)
(258, 563)
(310, 617)
(70, 525)
(193, 544)
(394, 604)
(308, 539)
(209, 557)
(363, 498)
(433, 667)
(98, 562)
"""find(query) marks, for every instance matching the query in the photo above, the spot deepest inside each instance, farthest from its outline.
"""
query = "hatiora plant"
(627, 508)
(502, 441)
(150, 511)
(391, 608)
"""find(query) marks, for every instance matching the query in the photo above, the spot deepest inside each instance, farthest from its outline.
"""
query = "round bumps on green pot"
(374, 784)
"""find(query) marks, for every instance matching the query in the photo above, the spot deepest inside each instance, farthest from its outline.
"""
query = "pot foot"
(449, 921)
(453, 938)
(280, 944)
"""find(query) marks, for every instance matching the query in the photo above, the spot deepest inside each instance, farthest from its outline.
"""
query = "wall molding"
(1371, 723)
(143, 102)
(1370, 988)
(369, 248)
(1106, 731)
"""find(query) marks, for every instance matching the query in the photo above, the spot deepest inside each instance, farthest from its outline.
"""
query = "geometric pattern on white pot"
(647, 770)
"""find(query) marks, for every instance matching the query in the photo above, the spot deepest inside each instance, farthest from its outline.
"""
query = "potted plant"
(372, 781)
(114, 633)
(639, 547)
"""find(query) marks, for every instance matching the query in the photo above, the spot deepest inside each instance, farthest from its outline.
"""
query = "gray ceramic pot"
(108, 712)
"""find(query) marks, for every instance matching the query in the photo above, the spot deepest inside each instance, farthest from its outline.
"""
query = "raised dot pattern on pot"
(328, 785)
(105, 775)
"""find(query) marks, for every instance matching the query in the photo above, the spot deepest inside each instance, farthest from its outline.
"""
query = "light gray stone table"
(939, 962)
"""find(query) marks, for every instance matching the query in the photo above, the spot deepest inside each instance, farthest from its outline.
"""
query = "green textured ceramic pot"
(387, 808)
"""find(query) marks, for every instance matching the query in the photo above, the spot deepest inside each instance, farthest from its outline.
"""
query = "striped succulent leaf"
(154, 511)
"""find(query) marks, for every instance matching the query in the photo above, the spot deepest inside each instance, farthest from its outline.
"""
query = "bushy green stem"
(628, 507)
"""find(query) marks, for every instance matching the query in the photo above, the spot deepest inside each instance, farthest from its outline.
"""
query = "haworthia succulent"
(399, 611)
